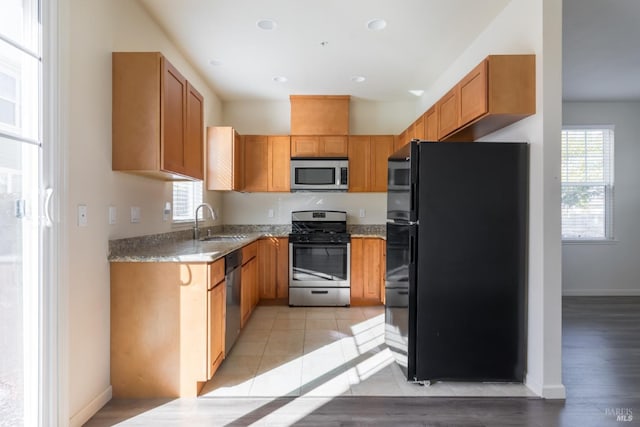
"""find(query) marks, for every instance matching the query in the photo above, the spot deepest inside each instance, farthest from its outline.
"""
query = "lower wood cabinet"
(368, 261)
(217, 313)
(249, 293)
(167, 327)
(273, 267)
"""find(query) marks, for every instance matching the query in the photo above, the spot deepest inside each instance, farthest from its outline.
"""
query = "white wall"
(609, 269)
(532, 26)
(271, 118)
(98, 27)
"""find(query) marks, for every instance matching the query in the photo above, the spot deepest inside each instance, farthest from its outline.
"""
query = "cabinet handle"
(319, 292)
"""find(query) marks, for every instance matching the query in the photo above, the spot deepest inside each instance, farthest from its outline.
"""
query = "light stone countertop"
(180, 247)
(184, 250)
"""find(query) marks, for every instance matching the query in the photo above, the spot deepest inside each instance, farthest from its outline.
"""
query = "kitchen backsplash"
(276, 208)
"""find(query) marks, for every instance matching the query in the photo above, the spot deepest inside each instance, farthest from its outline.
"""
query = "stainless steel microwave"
(316, 174)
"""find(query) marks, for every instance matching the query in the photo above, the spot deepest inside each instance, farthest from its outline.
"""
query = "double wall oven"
(319, 259)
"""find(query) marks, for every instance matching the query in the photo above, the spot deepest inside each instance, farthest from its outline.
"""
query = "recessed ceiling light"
(358, 79)
(280, 79)
(266, 24)
(376, 24)
(416, 92)
(215, 62)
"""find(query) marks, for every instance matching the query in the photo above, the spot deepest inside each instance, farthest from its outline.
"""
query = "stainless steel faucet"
(196, 230)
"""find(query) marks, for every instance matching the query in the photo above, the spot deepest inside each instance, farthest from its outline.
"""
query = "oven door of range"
(319, 265)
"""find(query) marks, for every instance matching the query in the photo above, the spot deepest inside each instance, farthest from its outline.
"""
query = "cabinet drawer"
(249, 251)
(319, 297)
(216, 273)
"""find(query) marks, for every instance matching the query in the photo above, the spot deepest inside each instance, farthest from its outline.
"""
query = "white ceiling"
(601, 50)
(601, 45)
(421, 40)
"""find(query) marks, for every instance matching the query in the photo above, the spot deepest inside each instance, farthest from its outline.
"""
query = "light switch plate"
(83, 219)
(135, 214)
(113, 215)
(363, 213)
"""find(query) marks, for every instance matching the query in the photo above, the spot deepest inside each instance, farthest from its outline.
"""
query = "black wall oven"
(319, 259)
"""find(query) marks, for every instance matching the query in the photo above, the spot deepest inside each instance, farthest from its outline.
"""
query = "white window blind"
(187, 195)
(587, 183)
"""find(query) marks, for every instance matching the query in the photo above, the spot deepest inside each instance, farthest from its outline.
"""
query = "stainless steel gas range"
(319, 259)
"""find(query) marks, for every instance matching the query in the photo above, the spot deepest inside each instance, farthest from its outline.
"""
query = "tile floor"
(325, 352)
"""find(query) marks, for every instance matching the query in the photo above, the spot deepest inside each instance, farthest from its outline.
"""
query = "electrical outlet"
(363, 213)
(83, 219)
(166, 213)
(135, 214)
(270, 213)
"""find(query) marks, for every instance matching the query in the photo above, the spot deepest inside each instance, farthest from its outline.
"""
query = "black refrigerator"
(456, 273)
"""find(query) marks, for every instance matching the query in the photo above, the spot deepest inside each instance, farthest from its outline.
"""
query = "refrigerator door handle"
(412, 241)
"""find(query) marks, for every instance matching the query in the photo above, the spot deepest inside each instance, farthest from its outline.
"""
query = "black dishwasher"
(232, 269)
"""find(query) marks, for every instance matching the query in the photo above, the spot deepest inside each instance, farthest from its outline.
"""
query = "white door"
(23, 223)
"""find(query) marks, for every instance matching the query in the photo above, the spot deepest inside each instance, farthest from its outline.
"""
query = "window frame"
(609, 186)
(183, 220)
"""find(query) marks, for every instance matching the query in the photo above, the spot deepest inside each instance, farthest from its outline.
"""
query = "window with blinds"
(187, 196)
(587, 183)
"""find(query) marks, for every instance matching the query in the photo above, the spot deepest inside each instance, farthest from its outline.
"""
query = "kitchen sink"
(225, 238)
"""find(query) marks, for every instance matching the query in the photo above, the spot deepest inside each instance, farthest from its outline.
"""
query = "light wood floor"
(601, 371)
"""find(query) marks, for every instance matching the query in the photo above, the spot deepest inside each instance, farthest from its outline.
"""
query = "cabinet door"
(194, 134)
(282, 267)
(418, 128)
(256, 155)
(473, 94)
(359, 163)
(246, 290)
(267, 265)
(334, 146)
(431, 124)
(279, 163)
(448, 112)
(401, 141)
(173, 119)
(357, 270)
(238, 162)
(305, 146)
(367, 270)
(381, 149)
(372, 269)
(216, 315)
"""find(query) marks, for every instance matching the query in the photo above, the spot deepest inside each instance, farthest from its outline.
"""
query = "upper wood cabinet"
(431, 124)
(266, 163)
(448, 112)
(418, 128)
(319, 115)
(498, 92)
(319, 146)
(256, 165)
(368, 157)
(225, 159)
(279, 158)
(401, 141)
(157, 118)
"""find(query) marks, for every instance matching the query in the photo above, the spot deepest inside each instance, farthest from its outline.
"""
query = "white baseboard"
(83, 415)
(601, 292)
(554, 392)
